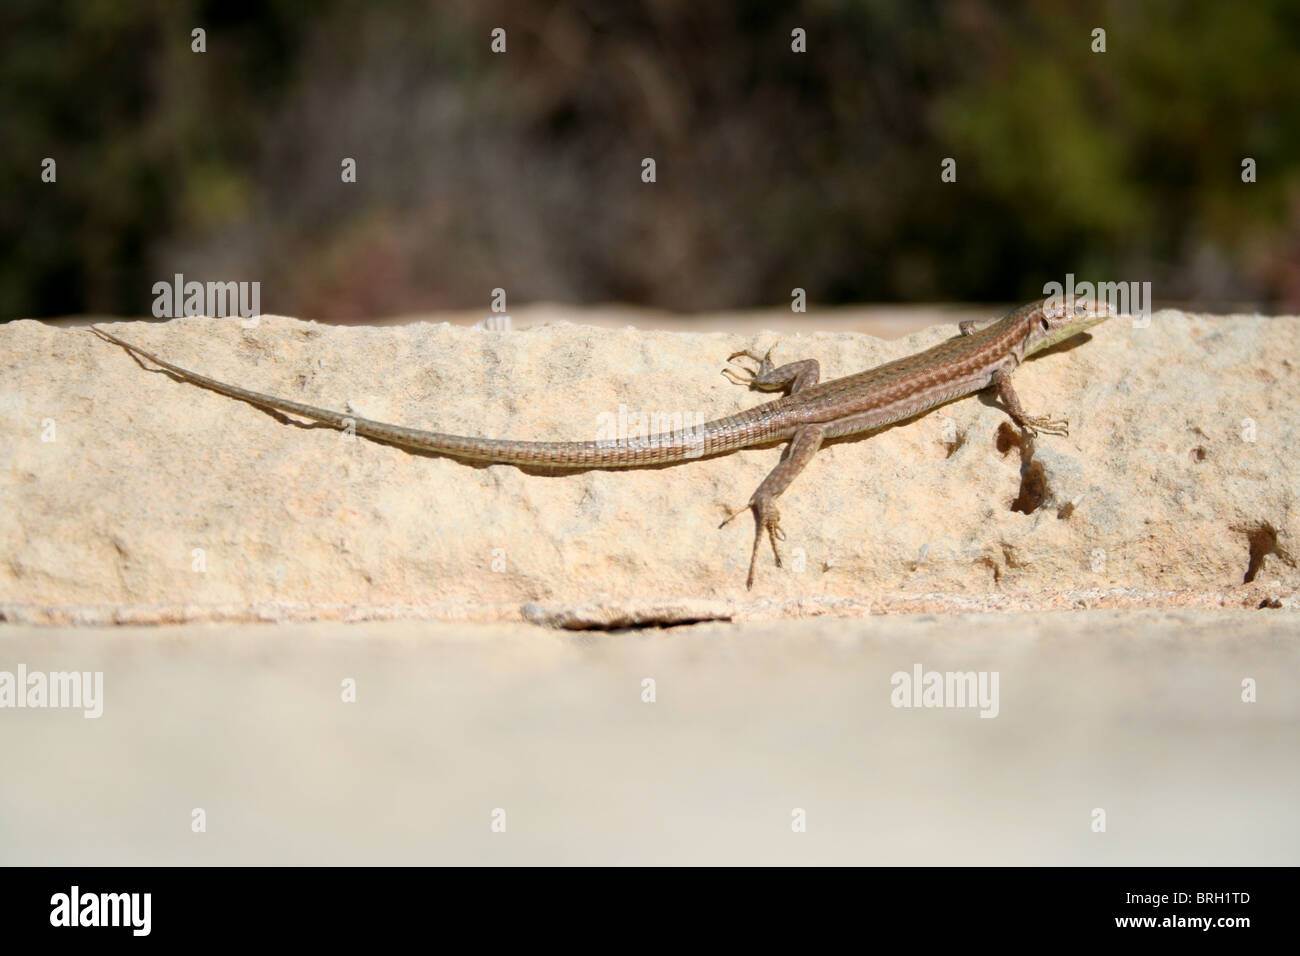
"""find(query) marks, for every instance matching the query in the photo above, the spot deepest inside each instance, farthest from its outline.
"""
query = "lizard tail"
(664, 448)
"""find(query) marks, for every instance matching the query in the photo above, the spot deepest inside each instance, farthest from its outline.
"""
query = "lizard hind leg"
(766, 377)
(807, 439)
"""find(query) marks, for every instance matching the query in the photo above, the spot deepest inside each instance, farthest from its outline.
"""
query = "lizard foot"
(766, 518)
(1048, 426)
(743, 375)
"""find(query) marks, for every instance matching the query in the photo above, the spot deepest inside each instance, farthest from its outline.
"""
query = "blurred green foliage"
(522, 170)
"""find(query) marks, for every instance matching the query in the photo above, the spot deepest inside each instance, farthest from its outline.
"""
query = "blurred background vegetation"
(522, 170)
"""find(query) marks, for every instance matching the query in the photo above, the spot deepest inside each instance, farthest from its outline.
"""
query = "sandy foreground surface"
(1135, 713)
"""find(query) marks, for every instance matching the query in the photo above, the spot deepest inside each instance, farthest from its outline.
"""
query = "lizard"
(808, 414)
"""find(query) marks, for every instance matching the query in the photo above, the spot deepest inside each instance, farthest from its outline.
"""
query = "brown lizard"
(807, 415)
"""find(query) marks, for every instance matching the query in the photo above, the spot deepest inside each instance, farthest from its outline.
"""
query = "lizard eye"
(1045, 324)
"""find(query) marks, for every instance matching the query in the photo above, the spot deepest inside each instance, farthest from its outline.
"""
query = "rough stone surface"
(128, 496)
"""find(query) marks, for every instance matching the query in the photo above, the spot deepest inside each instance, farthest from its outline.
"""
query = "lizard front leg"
(1030, 423)
(807, 439)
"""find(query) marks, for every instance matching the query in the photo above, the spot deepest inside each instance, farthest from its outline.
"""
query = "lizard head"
(1058, 318)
